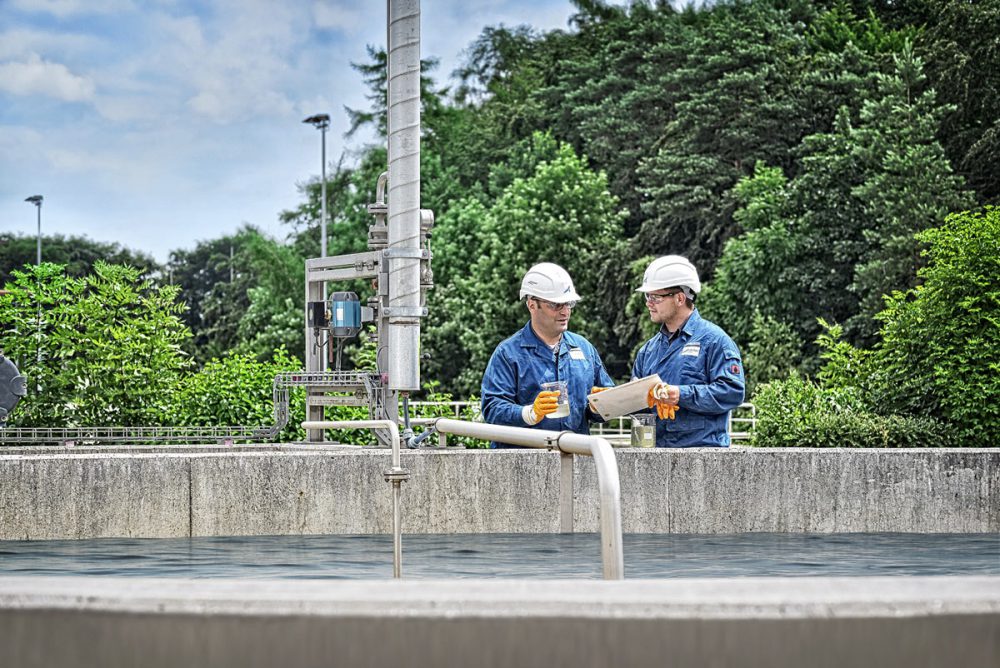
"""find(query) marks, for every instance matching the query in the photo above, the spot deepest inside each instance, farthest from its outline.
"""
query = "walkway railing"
(619, 430)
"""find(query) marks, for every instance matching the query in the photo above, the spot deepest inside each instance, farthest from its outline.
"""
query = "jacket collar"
(530, 340)
(687, 329)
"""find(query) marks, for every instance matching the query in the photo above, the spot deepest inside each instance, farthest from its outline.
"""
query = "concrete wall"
(84, 493)
(765, 622)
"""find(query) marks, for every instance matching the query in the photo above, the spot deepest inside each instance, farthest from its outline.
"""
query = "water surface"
(510, 556)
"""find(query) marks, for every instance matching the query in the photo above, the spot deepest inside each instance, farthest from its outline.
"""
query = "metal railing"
(618, 430)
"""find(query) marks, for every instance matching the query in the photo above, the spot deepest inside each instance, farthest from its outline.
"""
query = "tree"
(560, 212)
(77, 254)
(937, 354)
(841, 232)
(104, 349)
(212, 285)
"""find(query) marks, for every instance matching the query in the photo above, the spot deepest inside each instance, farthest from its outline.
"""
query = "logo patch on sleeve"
(734, 369)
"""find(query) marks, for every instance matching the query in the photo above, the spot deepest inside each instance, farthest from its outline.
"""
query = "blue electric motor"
(345, 315)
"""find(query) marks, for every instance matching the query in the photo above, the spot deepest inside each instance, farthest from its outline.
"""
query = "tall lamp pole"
(37, 201)
(322, 121)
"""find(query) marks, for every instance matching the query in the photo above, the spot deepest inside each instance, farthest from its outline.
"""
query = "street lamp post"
(322, 121)
(37, 201)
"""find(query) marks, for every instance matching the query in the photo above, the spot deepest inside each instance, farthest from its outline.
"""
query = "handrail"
(571, 443)
(395, 475)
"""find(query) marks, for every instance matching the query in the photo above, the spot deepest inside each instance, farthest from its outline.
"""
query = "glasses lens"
(556, 307)
(656, 299)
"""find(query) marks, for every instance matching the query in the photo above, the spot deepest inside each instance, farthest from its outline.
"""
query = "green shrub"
(939, 341)
(798, 413)
(235, 390)
(101, 350)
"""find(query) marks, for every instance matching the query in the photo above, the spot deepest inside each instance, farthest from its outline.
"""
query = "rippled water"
(510, 556)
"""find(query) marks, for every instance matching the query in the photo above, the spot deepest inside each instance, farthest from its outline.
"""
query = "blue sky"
(159, 123)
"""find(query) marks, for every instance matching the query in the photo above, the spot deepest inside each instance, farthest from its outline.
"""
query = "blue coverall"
(705, 364)
(523, 362)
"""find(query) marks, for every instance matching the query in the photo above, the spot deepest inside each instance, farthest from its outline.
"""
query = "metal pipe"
(404, 194)
(395, 475)
(612, 554)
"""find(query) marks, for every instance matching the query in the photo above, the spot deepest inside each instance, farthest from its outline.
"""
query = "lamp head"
(321, 121)
(35, 199)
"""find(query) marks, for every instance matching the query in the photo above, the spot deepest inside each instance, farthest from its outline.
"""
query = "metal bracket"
(409, 253)
(404, 311)
(396, 475)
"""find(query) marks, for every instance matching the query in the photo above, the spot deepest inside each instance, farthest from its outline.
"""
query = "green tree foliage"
(77, 254)
(236, 389)
(797, 413)
(938, 353)
(910, 186)
(830, 242)
(104, 349)
(243, 292)
(963, 63)
(560, 212)
(211, 287)
(274, 318)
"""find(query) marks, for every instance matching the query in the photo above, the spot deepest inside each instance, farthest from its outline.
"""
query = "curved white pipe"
(608, 482)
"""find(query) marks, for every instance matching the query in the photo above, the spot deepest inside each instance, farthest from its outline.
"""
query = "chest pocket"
(693, 368)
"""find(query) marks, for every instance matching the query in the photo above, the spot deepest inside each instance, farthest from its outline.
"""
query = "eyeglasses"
(656, 299)
(555, 307)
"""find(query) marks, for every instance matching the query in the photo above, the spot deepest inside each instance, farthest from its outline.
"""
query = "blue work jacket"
(523, 362)
(705, 364)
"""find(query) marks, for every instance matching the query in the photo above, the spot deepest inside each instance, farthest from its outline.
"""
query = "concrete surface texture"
(773, 622)
(85, 493)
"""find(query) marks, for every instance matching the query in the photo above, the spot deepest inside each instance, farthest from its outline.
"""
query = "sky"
(160, 123)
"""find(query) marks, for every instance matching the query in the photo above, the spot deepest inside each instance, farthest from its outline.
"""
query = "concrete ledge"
(143, 492)
(774, 622)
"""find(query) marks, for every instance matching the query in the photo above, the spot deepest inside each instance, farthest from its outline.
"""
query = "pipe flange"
(396, 475)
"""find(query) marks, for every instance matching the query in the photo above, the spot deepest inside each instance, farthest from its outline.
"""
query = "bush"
(940, 341)
(797, 413)
(102, 350)
(236, 390)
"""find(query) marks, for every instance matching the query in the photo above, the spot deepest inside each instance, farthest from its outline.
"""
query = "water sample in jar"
(562, 402)
(643, 430)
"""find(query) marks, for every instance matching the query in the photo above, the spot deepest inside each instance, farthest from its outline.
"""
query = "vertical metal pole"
(322, 243)
(38, 260)
(404, 194)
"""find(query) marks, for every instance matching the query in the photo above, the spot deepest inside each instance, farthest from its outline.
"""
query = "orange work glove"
(545, 403)
(595, 390)
(657, 396)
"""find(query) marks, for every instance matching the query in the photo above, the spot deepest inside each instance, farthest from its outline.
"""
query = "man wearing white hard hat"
(699, 364)
(544, 351)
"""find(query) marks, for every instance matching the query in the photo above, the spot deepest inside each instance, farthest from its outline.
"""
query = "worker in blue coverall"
(543, 351)
(699, 364)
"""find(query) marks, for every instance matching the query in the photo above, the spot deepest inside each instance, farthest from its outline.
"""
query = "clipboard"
(623, 399)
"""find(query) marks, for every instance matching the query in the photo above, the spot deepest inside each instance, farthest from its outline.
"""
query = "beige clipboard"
(623, 399)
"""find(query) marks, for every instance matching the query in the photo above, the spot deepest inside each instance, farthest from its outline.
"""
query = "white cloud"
(40, 77)
(337, 16)
(19, 43)
(65, 8)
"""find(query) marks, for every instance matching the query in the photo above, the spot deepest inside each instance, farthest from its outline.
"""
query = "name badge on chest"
(691, 349)
(576, 354)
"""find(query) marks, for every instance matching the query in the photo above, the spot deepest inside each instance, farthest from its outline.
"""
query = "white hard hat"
(549, 282)
(670, 271)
